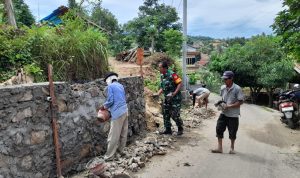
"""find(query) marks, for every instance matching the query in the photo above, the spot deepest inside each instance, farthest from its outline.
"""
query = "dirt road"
(265, 149)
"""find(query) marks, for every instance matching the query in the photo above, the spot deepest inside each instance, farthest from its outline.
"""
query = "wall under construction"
(26, 144)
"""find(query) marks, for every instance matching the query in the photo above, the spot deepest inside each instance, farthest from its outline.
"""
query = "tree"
(275, 75)
(23, 14)
(254, 64)
(287, 26)
(72, 4)
(18, 12)
(105, 19)
(152, 32)
(1, 13)
(173, 42)
(153, 15)
(236, 40)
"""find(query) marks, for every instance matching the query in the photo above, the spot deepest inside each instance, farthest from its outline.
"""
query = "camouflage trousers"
(171, 110)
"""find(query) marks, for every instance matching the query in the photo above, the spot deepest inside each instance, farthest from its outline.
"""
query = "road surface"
(265, 149)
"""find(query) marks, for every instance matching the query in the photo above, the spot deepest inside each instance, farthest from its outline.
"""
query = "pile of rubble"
(130, 55)
(193, 116)
(135, 156)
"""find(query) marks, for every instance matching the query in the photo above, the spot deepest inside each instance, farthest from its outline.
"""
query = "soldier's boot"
(168, 131)
(180, 130)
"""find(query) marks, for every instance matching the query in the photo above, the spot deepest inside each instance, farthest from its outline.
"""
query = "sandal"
(232, 152)
(216, 151)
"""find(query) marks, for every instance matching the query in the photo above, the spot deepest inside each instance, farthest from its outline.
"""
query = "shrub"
(76, 51)
(211, 79)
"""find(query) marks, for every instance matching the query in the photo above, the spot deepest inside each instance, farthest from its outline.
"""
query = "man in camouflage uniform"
(170, 87)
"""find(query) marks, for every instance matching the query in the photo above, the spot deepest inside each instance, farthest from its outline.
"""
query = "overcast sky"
(214, 18)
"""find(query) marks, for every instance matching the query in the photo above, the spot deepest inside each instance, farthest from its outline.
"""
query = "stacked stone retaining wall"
(26, 144)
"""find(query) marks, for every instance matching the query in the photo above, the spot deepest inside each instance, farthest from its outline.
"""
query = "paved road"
(265, 149)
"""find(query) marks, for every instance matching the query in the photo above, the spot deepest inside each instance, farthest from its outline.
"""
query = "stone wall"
(26, 144)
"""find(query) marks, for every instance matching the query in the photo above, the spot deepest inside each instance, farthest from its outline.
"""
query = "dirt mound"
(156, 58)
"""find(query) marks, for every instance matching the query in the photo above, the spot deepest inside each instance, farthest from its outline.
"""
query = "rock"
(22, 115)
(150, 140)
(85, 150)
(37, 137)
(141, 164)
(150, 148)
(186, 164)
(121, 175)
(163, 144)
(149, 155)
(61, 105)
(27, 96)
(134, 167)
(143, 158)
(106, 174)
(161, 152)
(26, 162)
(18, 138)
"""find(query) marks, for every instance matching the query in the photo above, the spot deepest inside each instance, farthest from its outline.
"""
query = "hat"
(227, 75)
(110, 74)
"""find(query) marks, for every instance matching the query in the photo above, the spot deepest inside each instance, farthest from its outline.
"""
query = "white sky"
(214, 18)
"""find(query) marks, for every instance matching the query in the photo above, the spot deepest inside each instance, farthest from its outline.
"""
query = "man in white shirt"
(200, 97)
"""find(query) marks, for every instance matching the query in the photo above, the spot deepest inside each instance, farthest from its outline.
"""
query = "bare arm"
(235, 105)
(159, 92)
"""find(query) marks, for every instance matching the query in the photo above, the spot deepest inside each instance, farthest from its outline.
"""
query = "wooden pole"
(53, 109)
(140, 57)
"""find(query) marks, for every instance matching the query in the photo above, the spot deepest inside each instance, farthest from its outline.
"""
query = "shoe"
(168, 131)
(180, 131)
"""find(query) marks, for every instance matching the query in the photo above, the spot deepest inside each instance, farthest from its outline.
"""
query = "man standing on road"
(116, 104)
(233, 97)
(170, 86)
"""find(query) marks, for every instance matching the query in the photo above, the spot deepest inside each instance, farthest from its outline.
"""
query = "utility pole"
(10, 13)
(184, 44)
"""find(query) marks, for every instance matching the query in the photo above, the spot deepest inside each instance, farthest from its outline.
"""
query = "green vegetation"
(193, 77)
(260, 63)
(79, 52)
(173, 42)
(154, 18)
(22, 13)
(15, 51)
(153, 84)
(34, 70)
(76, 51)
(287, 26)
(212, 80)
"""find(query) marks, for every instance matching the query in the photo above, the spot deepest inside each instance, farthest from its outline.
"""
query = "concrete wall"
(26, 144)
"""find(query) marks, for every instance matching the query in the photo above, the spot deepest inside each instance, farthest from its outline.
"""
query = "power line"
(38, 4)
(179, 5)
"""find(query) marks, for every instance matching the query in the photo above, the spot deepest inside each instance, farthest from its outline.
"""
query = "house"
(204, 60)
(193, 55)
(54, 17)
